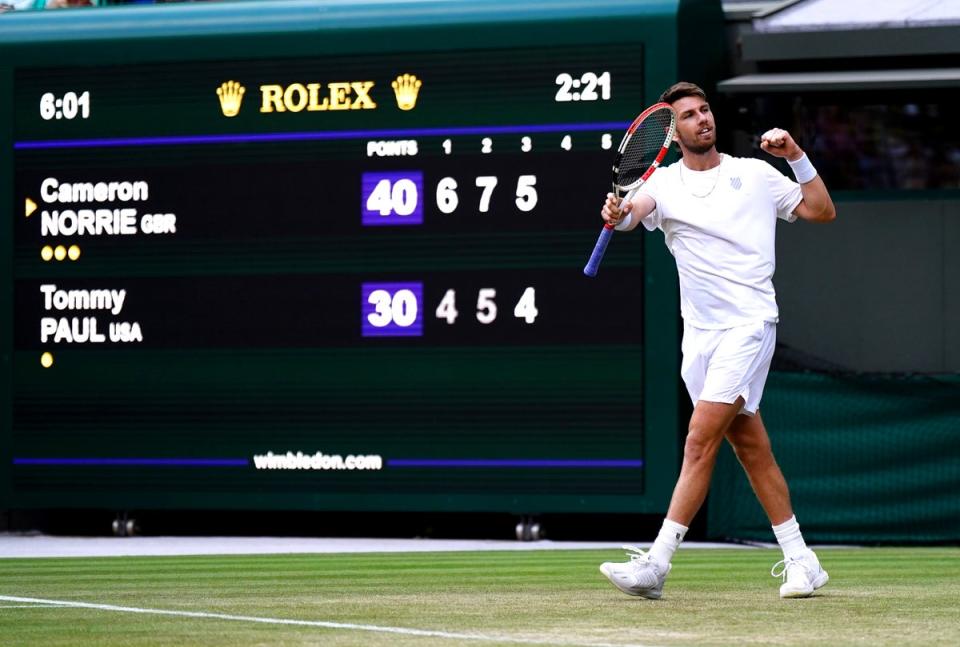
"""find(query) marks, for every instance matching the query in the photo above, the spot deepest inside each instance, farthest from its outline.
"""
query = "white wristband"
(802, 169)
(624, 222)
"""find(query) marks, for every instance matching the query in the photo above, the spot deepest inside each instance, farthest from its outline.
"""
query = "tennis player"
(718, 214)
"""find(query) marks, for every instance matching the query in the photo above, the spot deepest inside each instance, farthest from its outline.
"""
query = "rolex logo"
(231, 96)
(406, 87)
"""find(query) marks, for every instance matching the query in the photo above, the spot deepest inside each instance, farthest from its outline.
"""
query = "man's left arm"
(816, 205)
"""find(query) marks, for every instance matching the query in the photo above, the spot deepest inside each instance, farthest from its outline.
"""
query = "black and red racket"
(643, 148)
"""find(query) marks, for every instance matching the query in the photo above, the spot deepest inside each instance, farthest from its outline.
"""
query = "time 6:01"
(69, 106)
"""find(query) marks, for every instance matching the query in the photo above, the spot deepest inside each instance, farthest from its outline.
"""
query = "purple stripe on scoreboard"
(516, 462)
(391, 309)
(333, 135)
(395, 198)
(136, 462)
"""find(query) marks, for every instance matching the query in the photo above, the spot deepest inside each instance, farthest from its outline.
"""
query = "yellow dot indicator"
(60, 252)
(46, 253)
(73, 252)
(46, 360)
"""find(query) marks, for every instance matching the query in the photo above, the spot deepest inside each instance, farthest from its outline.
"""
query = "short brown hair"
(681, 90)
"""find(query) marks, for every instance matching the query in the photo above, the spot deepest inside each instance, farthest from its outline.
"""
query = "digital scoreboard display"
(327, 282)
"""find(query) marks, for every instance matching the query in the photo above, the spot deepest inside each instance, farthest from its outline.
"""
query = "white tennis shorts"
(722, 365)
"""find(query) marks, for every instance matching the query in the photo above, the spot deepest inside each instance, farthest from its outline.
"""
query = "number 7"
(488, 182)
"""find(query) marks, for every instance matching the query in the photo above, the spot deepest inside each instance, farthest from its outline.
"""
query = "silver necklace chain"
(716, 179)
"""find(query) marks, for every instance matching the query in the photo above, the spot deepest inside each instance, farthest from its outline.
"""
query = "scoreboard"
(331, 260)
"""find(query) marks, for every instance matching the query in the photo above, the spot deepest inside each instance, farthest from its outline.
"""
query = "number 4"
(526, 307)
(448, 307)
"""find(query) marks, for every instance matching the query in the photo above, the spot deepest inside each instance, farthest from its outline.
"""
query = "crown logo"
(231, 96)
(406, 87)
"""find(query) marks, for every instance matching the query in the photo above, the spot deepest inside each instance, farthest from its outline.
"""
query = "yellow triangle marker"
(31, 207)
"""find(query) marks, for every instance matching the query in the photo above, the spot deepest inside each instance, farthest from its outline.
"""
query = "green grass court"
(888, 596)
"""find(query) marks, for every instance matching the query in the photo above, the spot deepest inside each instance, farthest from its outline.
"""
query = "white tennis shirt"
(720, 227)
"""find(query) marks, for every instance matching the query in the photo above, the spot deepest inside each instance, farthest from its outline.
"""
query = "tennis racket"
(643, 148)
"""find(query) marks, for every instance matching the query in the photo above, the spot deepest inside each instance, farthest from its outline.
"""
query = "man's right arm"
(638, 207)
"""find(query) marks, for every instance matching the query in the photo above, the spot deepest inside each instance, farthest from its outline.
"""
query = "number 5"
(486, 308)
(526, 193)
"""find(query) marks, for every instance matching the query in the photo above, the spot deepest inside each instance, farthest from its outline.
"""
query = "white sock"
(790, 539)
(667, 542)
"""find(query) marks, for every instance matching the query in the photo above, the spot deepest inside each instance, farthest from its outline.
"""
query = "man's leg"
(645, 573)
(708, 424)
(802, 573)
(751, 444)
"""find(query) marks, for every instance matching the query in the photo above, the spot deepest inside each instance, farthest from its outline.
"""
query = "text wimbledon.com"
(317, 461)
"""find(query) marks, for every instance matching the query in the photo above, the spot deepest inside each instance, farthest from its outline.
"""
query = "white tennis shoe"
(801, 576)
(640, 576)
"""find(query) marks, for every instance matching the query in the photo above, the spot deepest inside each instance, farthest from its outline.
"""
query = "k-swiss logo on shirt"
(735, 183)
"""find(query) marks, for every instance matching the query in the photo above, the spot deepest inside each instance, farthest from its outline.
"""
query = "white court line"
(25, 606)
(316, 623)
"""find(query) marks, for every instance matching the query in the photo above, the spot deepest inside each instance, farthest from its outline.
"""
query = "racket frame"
(636, 184)
(607, 232)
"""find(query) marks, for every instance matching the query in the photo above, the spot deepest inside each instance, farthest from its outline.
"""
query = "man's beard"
(699, 149)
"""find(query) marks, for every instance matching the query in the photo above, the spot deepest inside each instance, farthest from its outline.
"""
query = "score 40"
(396, 198)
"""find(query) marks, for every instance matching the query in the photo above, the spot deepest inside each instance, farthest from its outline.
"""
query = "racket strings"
(643, 147)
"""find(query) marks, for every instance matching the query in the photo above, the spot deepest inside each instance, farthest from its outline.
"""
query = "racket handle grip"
(598, 250)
